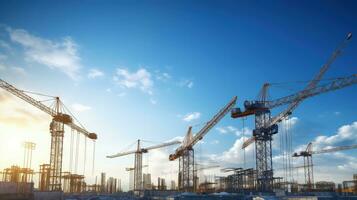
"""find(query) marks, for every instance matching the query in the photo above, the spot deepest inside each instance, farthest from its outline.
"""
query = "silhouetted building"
(147, 181)
(325, 186)
(102, 183)
(173, 185)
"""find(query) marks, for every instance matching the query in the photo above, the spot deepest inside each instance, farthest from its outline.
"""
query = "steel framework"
(56, 155)
(138, 179)
(187, 172)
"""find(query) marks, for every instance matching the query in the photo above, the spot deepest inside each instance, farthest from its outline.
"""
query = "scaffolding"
(73, 183)
(186, 176)
(44, 177)
(22, 177)
(241, 180)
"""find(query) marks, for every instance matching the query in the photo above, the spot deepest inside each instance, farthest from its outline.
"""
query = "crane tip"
(349, 35)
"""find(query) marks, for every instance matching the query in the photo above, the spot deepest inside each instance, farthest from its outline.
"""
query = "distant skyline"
(149, 69)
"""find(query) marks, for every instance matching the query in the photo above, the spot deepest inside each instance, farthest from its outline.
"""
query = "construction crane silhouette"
(185, 151)
(59, 119)
(138, 163)
(266, 125)
(308, 164)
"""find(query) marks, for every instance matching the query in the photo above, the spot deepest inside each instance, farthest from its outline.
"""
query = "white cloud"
(95, 73)
(4, 45)
(221, 130)
(191, 116)
(186, 83)
(153, 101)
(108, 90)
(80, 108)
(289, 123)
(235, 155)
(232, 130)
(61, 55)
(177, 138)
(346, 133)
(19, 71)
(337, 113)
(162, 76)
(140, 79)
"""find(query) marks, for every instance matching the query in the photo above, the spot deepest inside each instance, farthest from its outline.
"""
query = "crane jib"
(60, 117)
(209, 125)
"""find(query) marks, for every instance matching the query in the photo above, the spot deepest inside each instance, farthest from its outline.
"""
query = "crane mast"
(266, 125)
(185, 152)
(59, 119)
(138, 162)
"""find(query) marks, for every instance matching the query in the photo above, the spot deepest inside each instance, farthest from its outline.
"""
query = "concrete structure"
(147, 181)
(131, 180)
(161, 184)
(325, 186)
(173, 185)
(111, 185)
(102, 182)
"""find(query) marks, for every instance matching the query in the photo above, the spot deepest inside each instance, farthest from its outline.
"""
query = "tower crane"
(308, 164)
(59, 119)
(138, 163)
(185, 151)
(266, 125)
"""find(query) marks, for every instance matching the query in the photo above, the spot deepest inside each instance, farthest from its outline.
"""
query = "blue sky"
(135, 69)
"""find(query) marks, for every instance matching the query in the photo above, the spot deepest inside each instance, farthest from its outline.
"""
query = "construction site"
(17, 182)
(211, 100)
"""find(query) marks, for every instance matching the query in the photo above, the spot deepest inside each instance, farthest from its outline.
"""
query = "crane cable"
(291, 164)
(244, 139)
(77, 152)
(71, 151)
(93, 157)
(281, 147)
(85, 155)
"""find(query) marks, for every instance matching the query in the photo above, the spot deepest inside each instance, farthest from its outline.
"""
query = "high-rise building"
(102, 183)
(131, 180)
(147, 181)
(355, 177)
(173, 185)
(161, 184)
(111, 185)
